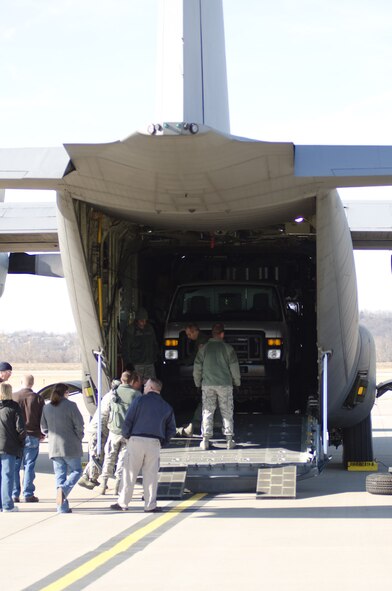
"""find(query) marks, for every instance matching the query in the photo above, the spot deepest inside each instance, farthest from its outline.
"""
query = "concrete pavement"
(332, 534)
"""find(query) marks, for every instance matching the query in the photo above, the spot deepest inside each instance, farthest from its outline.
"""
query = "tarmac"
(334, 534)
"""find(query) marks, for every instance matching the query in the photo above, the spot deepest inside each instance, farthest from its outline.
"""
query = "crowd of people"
(133, 424)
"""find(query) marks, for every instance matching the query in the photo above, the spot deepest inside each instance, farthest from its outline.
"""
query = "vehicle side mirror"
(293, 309)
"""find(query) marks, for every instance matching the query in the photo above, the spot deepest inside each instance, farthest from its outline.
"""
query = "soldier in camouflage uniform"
(139, 346)
(89, 478)
(216, 369)
(116, 446)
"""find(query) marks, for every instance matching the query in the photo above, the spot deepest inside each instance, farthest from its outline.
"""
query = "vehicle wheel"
(358, 442)
(379, 484)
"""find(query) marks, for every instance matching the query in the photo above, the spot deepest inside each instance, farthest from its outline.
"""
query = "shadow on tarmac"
(357, 512)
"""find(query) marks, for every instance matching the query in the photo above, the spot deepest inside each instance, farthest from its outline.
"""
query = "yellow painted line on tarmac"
(96, 562)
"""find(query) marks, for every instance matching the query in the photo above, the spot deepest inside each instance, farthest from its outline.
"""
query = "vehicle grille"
(249, 348)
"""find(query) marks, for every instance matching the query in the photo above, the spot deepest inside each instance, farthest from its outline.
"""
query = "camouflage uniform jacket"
(216, 364)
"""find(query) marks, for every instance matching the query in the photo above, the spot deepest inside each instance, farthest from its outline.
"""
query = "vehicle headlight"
(274, 353)
(171, 354)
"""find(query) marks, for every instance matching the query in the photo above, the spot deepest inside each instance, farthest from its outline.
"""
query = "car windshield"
(231, 302)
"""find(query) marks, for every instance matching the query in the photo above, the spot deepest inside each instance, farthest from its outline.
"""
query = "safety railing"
(99, 358)
(325, 355)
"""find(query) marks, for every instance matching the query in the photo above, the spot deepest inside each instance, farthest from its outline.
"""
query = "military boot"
(188, 431)
(85, 482)
(103, 486)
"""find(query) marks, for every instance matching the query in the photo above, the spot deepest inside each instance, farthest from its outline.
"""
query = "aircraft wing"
(348, 165)
(33, 168)
(30, 227)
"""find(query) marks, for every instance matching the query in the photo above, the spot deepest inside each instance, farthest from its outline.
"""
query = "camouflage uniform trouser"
(223, 396)
(116, 448)
(91, 471)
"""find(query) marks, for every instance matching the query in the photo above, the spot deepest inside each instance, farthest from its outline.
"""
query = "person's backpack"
(118, 410)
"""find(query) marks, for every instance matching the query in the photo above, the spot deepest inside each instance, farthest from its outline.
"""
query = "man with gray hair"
(148, 425)
(216, 369)
(31, 405)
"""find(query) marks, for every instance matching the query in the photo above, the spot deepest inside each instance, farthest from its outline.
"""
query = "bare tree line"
(37, 347)
(380, 325)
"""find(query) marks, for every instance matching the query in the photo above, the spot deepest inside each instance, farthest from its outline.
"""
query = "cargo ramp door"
(268, 448)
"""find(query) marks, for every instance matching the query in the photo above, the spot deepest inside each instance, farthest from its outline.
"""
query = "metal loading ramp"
(262, 441)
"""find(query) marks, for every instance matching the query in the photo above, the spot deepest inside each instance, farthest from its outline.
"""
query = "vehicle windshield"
(230, 302)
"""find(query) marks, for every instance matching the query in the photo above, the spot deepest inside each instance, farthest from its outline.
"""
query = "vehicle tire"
(358, 442)
(379, 484)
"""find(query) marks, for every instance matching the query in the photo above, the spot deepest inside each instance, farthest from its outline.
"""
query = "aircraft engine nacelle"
(352, 366)
(20, 263)
(45, 265)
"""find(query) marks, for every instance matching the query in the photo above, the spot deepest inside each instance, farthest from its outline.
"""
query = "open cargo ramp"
(262, 441)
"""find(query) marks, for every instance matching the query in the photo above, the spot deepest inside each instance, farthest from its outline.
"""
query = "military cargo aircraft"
(183, 200)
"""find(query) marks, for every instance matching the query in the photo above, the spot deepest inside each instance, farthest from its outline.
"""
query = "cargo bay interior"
(134, 266)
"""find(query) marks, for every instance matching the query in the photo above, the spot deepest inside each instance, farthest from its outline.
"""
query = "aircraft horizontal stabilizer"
(32, 168)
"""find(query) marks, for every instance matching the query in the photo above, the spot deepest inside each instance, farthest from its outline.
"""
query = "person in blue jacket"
(148, 425)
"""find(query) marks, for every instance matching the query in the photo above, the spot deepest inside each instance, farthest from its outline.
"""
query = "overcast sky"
(308, 71)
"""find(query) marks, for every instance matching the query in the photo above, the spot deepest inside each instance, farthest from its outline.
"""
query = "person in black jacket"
(12, 437)
(5, 371)
(149, 424)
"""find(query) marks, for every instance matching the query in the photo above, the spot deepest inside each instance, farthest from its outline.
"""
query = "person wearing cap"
(5, 371)
(140, 347)
(12, 437)
(31, 405)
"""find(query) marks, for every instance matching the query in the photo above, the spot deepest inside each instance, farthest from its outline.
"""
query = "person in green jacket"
(216, 370)
(116, 446)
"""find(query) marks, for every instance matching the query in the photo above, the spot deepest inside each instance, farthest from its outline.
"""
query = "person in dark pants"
(148, 425)
(31, 405)
(62, 422)
(139, 347)
(12, 437)
(197, 339)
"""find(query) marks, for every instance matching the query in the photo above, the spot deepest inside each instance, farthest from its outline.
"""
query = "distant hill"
(43, 347)
(39, 347)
